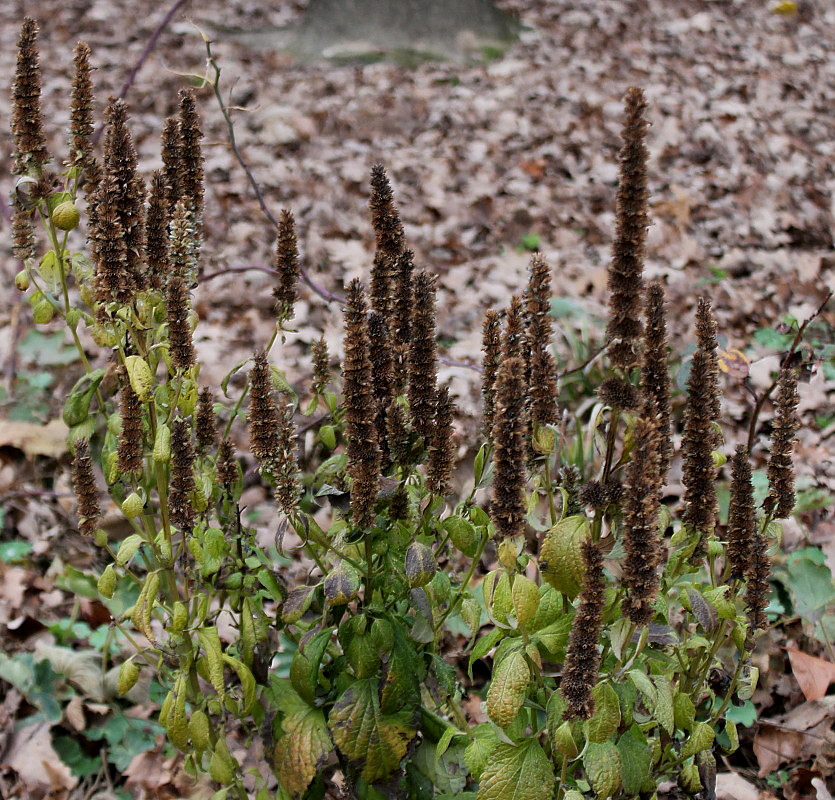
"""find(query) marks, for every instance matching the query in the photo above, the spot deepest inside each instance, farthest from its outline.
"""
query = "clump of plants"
(620, 629)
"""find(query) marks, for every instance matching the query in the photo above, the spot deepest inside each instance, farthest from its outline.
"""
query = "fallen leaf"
(774, 747)
(31, 755)
(35, 440)
(813, 674)
(734, 363)
(732, 786)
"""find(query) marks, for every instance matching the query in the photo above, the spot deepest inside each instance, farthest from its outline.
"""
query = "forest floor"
(488, 161)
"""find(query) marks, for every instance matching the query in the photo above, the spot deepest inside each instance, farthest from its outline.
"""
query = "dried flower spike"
(625, 271)
(286, 466)
(286, 264)
(128, 190)
(700, 436)
(423, 358)
(30, 151)
(491, 346)
(442, 447)
(742, 522)
(156, 242)
(360, 412)
(81, 110)
(390, 239)
(780, 500)
(170, 148)
(508, 507)
(182, 476)
(206, 421)
(84, 485)
(758, 588)
(180, 342)
(23, 237)
(543, 383)
(264, 440)
(640, 535)
(226, 466)
(321, 366)
(655, 376)
(112, 278)
(582, 659)
(382, 376)
(130, 447)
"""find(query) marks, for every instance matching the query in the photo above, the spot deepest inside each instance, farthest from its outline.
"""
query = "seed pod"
(107, 582)
(420, 565)
(162, 444)
(133, 505)
(43, 312)
(65, 216)
(128, 676)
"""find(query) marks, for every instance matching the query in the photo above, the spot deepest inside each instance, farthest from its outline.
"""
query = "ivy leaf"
(367, 736)
(635, 758)
(305, 742)
(606, 719)
(602, 764)
(520, 772)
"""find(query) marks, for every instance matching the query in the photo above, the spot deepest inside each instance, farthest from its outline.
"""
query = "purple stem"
(149, 46)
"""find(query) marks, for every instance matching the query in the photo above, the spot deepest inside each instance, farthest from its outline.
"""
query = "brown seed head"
(180, 343)
(84, 486)
(491, 346)
(582, 660)
(742, 521)
(182, 483)
(81, 110)
(286, 264)
(655, 376)
(130, 447)
(780, 500)
(156, 242)
(442, 448)
(625, 271)
(30, 151)
(423, 358)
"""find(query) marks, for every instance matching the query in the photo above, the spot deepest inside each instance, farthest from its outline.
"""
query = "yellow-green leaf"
(603, 768)
(561, 557)
(508, 689)
(525, 597)
(520, 772)
(477, 752)
(700, 738)
(246, 679)
(636, 760)
(210, 641)
(305, 743)
(364, 734)
(606, 718)
(139, 375)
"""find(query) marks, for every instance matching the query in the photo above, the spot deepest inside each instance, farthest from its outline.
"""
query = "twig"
(149, 46)
(588, 361)
(752, 428)
(245, 268)
(259, 196)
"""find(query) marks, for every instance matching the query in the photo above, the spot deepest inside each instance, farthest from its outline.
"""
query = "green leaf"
(365, 735)
(508, 689)
(635, 759)
(645, 686)
(684, 712)
(554, 638)
(700, 738)
(664, 704)
(731, 733)
(483, 646)
(304, 743)
(603, 768)
(606, 718)
(811, 587)
(15, 550)
(247, 681)
(210, 641)
(127, 549)
(304, 669)
(521, 772)
(477, 752)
